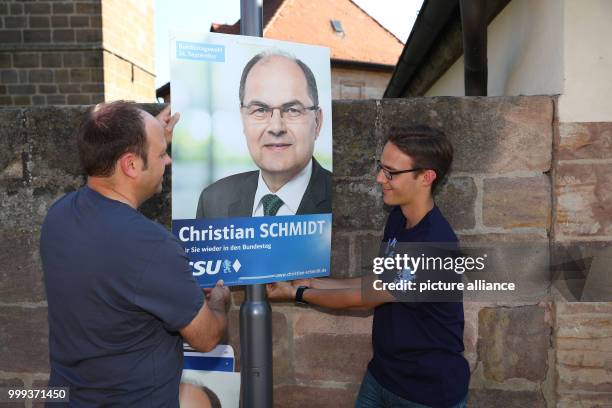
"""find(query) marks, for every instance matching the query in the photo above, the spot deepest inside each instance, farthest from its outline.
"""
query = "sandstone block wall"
(511, 182)
(582, 203)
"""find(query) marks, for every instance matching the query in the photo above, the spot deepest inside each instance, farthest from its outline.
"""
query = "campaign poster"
(208, 379)
(252, 157)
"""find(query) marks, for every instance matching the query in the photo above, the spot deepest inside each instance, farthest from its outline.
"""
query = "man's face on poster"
(279, 118)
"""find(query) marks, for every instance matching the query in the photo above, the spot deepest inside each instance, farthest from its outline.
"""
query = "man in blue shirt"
(417, 346)
(120, 292)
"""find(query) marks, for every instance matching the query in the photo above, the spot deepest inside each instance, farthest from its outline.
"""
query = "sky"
(196, 15)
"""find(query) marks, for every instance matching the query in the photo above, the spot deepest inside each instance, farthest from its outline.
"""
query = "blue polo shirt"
(119, 289)
(418, 347)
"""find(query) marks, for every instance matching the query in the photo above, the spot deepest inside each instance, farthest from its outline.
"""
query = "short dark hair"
(107, 132)
(213, 398)
(311, 82)
(428, 148)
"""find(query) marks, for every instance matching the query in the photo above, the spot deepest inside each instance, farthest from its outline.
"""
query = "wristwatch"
(299, 295)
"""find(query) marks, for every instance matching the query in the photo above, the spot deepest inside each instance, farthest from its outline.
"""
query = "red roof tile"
(309, 21)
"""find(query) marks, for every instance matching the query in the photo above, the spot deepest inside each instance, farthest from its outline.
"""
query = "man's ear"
(318, 121)
(243, 123)
(429, 176)
(129, 164)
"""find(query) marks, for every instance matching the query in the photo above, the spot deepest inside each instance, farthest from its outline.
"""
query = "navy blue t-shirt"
(119, 288)
(418, 346)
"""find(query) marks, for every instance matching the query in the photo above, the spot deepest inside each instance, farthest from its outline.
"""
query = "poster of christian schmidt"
(252, 157)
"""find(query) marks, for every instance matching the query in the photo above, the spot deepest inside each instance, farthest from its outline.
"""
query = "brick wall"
(129, 66)
(52, 52)
(505, 187)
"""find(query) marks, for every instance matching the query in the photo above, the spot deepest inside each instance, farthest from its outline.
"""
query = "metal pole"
(255, 312)
(251, 18)
(256, 349)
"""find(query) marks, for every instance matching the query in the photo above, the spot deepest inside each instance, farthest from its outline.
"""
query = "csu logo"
(214, 267)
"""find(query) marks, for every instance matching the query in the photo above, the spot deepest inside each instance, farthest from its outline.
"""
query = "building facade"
(363, 52)
(76, 52)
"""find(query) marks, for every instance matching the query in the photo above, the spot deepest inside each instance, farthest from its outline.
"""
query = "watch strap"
(299, 295)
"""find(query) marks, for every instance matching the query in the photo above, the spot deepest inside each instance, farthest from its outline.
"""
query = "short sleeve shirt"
(418, 346)
(119, 288)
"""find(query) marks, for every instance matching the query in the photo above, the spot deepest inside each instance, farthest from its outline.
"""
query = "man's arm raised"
(209, 325)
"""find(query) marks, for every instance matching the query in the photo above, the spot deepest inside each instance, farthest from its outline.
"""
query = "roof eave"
(432, 18)
(369, 66)
(424, 59)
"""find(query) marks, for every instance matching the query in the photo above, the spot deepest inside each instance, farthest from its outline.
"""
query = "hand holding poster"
(251, 180)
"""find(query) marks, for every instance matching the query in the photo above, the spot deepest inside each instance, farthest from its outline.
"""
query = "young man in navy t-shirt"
(417, 346)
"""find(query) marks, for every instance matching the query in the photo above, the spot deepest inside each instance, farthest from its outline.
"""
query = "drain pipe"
(474, 24)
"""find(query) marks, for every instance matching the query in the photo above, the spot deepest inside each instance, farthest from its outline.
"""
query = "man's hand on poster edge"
(168, 122)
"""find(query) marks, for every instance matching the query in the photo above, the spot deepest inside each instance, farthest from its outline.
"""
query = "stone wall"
(582, 203)
(509, 184)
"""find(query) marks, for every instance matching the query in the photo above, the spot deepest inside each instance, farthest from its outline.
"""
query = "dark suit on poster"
(233, 196)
